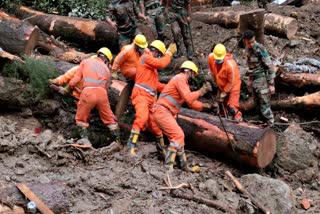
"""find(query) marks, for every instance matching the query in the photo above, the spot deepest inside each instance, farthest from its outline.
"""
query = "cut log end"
(266, 148)
(32, 41)
(125, 92)
(292, 29)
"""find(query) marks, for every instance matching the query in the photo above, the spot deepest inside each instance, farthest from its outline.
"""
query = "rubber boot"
(183, 160)
(179, 52)
(160, 146)
(189, 51)
(170, 159)
(116, 145)
(132, 142)
(84, 136)
(236, 114)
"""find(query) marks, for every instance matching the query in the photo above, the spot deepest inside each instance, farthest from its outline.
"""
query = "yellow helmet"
(140, 40)
(105, 51)
(219, 52)
(190, 65)
(159, 45)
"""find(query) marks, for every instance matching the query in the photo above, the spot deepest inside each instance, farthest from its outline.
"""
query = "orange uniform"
(145, 89)
(65, 78)
(95, 75)
(126, 61)
(228, 79)
(176, 92)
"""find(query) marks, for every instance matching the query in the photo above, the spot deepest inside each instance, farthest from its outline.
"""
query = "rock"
(212, 187)
(297, 152)
(305, 203)
(273, 194)
(44, 138)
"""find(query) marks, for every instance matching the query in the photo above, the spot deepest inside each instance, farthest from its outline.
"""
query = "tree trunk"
(17, 37)
(253, 20)
(300, 80)
(90, 33)
(307, 102)
(274, 24)
(254, 146)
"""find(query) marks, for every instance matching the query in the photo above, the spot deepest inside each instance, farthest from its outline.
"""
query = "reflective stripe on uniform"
(232, 81)
(90, 80)
(147, 88)
(113, 126)
(174, 144)
(171, 99)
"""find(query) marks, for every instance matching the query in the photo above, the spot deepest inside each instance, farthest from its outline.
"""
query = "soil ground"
(96, 182)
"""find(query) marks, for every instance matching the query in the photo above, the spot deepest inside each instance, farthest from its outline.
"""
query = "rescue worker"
(155, 16)
(164, 112)
(180, 18)
(124, 13)
(95, 74)
(261, 74)
(126, 60)
(65, 79)
(226, 75)
(145, 90)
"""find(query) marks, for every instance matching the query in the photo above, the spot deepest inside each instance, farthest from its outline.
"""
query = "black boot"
(183, 160)
(116, 145)
(170, 159)
(189, 52)
(84, 136)
(160, 146)
(179, 51)
(132, 142)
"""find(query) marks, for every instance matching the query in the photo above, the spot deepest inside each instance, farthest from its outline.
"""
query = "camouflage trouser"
(126, 38)
(180, 27)
(262, 94)
(158, 20)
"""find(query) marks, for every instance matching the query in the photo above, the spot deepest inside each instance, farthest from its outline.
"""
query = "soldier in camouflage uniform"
(124, 13)
(155, 15)
(180, 17)
(261, 74)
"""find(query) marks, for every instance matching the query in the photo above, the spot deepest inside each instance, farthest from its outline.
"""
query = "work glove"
(211, 107)
(114, 75)
(206, 87)
(65, 90)
(221, 96)
(54, 81)
(172, 49)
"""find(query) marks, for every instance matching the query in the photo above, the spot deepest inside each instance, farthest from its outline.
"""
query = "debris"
(284, 119)
(31, 196)
(305, 203)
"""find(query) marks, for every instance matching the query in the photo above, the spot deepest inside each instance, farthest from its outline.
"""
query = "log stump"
(301, 80)
(254, 146)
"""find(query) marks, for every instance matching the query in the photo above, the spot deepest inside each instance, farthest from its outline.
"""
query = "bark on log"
(274, 24)
(307, 102)
(300, 80)
(254, 146)
(17, 37)
(90, 33)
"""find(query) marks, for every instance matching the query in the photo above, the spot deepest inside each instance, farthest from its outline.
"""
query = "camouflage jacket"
(124, 13)
(259, 62)
(150, 4)
(178, 4)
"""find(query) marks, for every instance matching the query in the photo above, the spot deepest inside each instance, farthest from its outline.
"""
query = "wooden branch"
(32, 197)
(300, 80)
(244, 191)
(202, 200)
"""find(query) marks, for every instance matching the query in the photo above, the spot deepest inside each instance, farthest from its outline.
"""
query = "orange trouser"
(143, 102)
(89, 99)
(168, 124)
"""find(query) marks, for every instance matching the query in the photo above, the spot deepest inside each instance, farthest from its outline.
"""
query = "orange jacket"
(147, 71)
(227, 75)
(176, 92)
(126, 61)
(65, 79)
(94, 73)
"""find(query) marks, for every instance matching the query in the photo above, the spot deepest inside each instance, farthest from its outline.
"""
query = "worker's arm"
(120, 59)
(157, 63)
(231, 72)
(271, 74)
(77, 77)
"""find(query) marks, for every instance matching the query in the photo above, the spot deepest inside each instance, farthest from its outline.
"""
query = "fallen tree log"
(300, 80)
(274, 23)
(307, 102)
(254, 146)
(89, 33)
(17, 37)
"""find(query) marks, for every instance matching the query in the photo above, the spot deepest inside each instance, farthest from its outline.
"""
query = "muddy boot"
(132, 142)
(161, 147)
(179, 51)
(116, 145)
(189, 52)
(182, 159)
(84, 136)
(170, 159)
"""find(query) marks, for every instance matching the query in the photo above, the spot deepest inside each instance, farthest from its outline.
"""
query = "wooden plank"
(32, 197)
